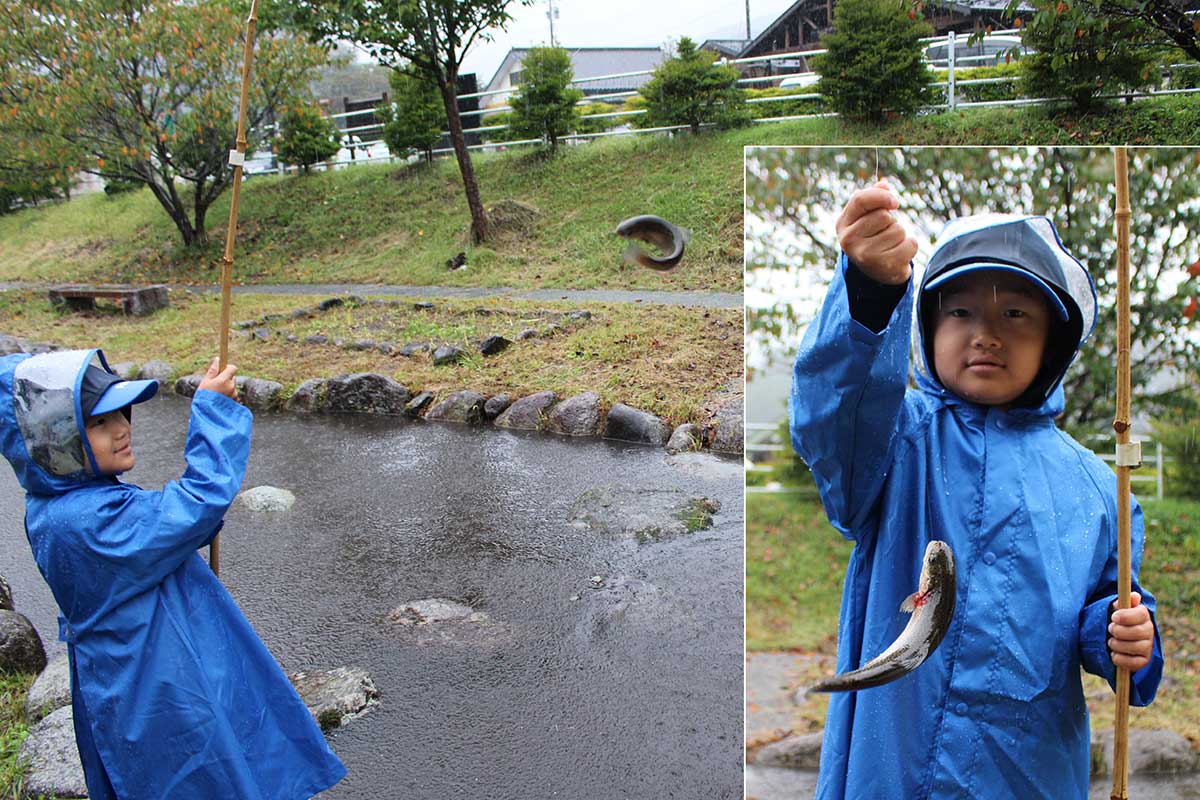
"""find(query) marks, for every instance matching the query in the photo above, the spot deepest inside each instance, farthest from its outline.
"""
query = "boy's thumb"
(214, 367)
(1135, 599)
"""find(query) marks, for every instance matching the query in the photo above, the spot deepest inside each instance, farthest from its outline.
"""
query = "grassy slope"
(382, 224)
(795, 564)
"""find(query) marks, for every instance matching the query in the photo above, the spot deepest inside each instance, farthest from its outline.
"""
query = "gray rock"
(423, 306)
(21, 648)
(580, 315)
(496, 405)
(356, 300)
(418, 404)
(1150, 752)
(332, 302)
(447, 354)
(261, 334)
(156, 370)
(576, 416)
(434, 610)
(316, 339)
(730, 432)
(308, 397)
(493, 345)
(686, 437)
(299, 313)
(385, 347)
(245, 324)
(527, 414)
(339, 342)
(291, 338)
(413, 348)
(6, 603)
(802, 751)
(336, 696)
(365, 393)
(528, 333)
(128, 370)
(187, 385)
(549, 330)
(53, 758)
(266, 498)
(51, 691)
(363, 344)
(10, 345)
(631, 425)
(645, 515)
(259, 394)
(465, 406)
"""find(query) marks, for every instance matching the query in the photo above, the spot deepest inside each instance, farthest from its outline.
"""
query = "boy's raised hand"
(873, 238)
(1131, 635)
(220, 380)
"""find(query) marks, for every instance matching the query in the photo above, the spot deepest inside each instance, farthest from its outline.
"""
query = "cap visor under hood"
(1028, 246)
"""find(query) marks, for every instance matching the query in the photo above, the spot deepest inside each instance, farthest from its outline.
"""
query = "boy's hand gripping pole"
(1127, 459)
(237, 158)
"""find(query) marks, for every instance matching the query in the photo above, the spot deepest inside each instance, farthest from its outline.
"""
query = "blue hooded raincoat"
(997, 711)
(174, 694)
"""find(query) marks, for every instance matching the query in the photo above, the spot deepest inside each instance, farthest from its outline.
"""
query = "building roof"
(589, 61)
(726, 47)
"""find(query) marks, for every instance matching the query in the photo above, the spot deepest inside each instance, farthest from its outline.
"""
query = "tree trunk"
(177, 214)
(479, 220)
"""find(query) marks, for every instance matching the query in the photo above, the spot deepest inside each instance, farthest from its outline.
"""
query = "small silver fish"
(669, 238)
(932, 608)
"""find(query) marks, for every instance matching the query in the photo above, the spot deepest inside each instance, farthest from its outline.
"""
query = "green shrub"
(1080, 57)
(597, 125)
(415, 118)
(306, 136)
(986, 92)
(544, 105)
(875, 61)
(690, 89)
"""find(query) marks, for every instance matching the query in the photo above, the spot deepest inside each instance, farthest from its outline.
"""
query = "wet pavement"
(629, 686)
(647, 296)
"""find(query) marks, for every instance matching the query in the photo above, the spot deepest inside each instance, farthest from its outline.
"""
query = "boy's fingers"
(870, 224)
(213, 367)
(1137, 648)
(1131, 663)
(866, 200)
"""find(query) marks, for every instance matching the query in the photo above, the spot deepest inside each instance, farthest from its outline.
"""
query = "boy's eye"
(960, 313)
(1015, 313)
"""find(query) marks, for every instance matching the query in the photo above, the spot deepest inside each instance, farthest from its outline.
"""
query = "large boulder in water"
(365, 393)
(576, 416)
(631, 425)
(465, 406)
(21, 648)
(336, 696)
(527, 414)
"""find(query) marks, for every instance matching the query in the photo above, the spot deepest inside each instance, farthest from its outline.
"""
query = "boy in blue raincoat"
(174, 695)
(971, 457)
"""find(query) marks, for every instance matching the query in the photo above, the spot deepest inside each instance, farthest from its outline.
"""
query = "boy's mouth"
(984, 363)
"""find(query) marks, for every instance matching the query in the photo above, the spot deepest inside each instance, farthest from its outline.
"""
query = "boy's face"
(989, 336)
(109, 435)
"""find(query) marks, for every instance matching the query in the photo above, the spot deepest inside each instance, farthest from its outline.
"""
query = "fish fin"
(910, 603)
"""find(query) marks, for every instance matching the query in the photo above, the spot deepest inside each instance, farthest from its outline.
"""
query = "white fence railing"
(764, 441)
(955, 59)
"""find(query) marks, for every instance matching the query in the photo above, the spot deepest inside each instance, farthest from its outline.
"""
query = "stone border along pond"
(371, 393)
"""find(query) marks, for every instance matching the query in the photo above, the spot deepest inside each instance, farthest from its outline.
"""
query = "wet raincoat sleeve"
(1094, 619)
(847, 401)
(148, 535)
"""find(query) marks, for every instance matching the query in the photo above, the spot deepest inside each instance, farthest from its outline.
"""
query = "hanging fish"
(668, 238)
(932, 608)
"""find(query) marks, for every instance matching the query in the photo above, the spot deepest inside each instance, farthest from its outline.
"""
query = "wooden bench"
(137, 300)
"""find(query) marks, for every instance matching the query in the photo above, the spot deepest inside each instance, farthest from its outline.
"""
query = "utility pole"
(551, 14)
(748, 36)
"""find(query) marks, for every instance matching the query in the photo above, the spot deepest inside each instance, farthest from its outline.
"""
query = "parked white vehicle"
(987, 52)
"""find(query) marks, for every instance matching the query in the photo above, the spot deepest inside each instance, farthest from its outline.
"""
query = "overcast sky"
(620, 23)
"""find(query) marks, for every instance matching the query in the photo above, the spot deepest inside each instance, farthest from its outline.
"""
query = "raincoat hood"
(1026, 245)
(41, 421)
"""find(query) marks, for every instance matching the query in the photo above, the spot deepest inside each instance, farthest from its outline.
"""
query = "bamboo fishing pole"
(1128, 458)
(237, 158)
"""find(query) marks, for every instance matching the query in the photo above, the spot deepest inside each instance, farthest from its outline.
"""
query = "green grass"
(385, 224)
(667, 360)
(13, 688)
(796, 562)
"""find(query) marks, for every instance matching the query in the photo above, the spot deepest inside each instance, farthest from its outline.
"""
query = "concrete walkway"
(644, 296)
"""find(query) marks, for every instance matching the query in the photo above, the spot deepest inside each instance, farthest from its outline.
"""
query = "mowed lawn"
(796, 562)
